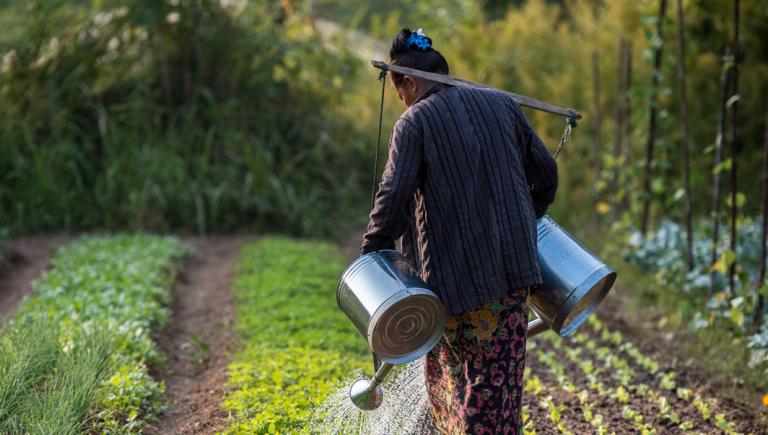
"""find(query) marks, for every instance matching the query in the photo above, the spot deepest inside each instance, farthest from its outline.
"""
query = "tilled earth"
(601, 381)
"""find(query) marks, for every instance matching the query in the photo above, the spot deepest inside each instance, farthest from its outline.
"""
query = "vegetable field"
(183, 182)
(81, 350)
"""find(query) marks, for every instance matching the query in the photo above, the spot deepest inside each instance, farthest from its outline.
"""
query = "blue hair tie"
(418, 40)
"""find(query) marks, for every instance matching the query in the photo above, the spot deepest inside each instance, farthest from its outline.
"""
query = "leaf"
(602, 207)
(725, 165)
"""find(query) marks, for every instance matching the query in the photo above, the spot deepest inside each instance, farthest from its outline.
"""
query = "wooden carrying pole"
(461, 83)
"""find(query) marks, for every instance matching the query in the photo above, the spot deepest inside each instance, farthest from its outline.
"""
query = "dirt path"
(199, 340)
(26, 259)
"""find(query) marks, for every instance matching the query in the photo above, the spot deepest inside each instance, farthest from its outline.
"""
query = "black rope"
(383, 79)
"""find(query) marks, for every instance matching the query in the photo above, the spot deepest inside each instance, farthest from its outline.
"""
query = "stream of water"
(405, 409)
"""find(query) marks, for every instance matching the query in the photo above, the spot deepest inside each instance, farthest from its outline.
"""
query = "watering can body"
(575, 281)
(390, 305)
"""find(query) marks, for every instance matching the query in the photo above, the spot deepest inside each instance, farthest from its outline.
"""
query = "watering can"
(402, 319)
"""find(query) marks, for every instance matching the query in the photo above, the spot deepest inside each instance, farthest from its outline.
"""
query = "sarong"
(474, 375)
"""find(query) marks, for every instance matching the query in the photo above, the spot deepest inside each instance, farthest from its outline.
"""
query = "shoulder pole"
(461, 83)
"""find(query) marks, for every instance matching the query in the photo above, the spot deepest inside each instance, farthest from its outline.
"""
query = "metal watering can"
(402, 319)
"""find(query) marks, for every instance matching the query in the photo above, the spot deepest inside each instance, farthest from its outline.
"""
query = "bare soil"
(199, 341)
(25, 260)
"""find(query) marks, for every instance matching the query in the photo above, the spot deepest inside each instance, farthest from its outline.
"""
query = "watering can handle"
(536, 326)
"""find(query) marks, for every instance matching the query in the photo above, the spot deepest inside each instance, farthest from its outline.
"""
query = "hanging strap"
(570, 124)
(383, 79)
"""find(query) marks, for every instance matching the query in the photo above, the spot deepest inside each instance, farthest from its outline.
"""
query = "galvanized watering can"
(402, 319)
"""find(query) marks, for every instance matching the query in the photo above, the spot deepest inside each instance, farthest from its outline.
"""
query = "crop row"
(609, 377)
(74, 359)
(295, 344)
(669, 390)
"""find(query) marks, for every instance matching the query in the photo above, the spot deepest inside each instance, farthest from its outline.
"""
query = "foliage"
(295, 343)
(543, 49)
(199, 115)
(77, 351)
(662, 254)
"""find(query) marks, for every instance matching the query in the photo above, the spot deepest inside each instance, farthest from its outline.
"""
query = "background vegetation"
(175, 114)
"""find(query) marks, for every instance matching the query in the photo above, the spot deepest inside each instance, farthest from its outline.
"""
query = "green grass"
(296, 345)
(75, 357)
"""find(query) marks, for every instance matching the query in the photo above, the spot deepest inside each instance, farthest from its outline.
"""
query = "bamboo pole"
(734, 148)
(684, 118)
(725, 82)
(461, 83)
(626, 146)
(757, 316)
(655, 77)
(619, 131)
(596, 126)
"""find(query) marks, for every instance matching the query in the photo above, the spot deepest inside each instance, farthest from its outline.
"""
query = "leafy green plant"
(296, 345)
(76, 354)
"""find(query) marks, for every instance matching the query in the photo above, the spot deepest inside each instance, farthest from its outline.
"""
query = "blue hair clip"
(418, 40)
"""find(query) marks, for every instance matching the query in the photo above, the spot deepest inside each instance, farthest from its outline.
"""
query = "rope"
(570, 124)
(383, 79)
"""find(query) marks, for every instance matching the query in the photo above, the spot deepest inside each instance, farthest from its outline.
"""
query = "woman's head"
(414, 50)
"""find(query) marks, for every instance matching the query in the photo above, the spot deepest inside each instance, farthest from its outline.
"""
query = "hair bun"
(418, 40)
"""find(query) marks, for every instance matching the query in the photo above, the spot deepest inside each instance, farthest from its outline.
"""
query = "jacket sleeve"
(389, 217)
(539, 165)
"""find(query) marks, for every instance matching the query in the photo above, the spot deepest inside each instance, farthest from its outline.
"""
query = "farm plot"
(598, 381)
(298, 347)
(75, 356)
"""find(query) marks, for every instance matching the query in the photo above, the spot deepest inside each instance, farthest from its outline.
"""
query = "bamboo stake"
(725, 82)
(757, 317)
(617, 146)
(596, 126)
(626, 146)
(734, 148)
(655, 77)
(461, 83)
(684, 119)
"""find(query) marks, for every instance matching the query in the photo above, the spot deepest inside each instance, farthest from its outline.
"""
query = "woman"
(464, 183)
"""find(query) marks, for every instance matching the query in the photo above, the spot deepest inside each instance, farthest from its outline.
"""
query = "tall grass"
(62, 404)
(30, 349)
(143, 114)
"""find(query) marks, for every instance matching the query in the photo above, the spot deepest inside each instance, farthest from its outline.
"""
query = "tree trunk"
(757, 318)
(734, 147)
(724, 88)
(596, 126)
(684, 120)
(655, 76)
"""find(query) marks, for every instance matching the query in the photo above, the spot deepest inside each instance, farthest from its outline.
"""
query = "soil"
(199, 341)
(24, 261)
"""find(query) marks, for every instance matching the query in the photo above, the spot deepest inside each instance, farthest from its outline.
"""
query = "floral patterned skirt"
(475, 373)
